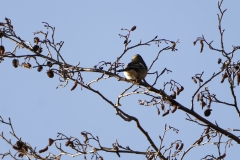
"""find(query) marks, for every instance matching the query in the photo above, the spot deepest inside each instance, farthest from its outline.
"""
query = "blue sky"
(90, 31)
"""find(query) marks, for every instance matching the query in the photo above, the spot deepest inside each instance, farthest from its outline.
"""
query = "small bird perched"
(135, 70)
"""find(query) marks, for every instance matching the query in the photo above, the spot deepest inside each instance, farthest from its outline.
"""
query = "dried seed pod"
(219, 60)
(166, 113)
(50, 141)
(198, 96)
(238, 78)
(174, 109)
(222, 156)
(181, 147)
(173, 96)
(67, 143)
(2, 50)
(15, 63)
(35, 48)
(158, 111)
(207, 130)
(36, 40)
(180, 90)
(201, 46)
(200, 140)
(194, 80)
(173, 45)
(26, 65)
(209, 99)
(75, 85)
(203, 104)
(224, 75)
(177, 145)
(43, 150)
(207, 112)
(200, 80)
(162, 106)
(40, 68)
(100, 158)
(49, 63)
(133, 28)
(50, 73)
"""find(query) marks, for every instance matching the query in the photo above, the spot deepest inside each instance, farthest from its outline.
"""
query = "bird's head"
(137, 58)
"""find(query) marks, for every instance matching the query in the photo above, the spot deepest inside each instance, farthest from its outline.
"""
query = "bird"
(136, 69)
